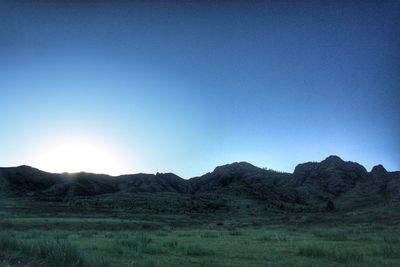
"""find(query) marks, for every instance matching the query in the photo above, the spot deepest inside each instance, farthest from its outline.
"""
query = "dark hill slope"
(161, 182)
(345, 182)
(328, 179)
(224, 176)
(380, 187)
(25, 179)
(245, 179)
(83, 184)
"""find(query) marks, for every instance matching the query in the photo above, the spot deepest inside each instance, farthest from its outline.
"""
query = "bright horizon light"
(77, 154)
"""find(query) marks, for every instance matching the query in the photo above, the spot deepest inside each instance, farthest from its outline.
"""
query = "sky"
(127, 87)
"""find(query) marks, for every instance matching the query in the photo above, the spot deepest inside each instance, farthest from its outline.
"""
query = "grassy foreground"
(368, 238)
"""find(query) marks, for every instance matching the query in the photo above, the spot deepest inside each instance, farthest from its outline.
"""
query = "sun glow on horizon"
(78, 154)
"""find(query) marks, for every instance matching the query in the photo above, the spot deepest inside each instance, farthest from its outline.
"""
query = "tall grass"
(276, 237)
(198, 251)
(138, 242)
(332, 234)
(50, 252)
(209, 235)
(391, 239)
(235, 232)
(339, 255)
(386, 251)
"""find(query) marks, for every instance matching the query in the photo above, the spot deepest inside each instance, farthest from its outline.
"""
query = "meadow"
(56, 236)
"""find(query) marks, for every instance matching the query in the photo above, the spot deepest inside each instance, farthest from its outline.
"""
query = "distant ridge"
(311, 183)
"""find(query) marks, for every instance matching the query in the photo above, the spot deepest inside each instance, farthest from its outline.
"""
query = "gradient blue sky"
(183, 87)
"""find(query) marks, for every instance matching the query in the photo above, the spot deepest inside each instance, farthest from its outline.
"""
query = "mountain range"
(311, 183)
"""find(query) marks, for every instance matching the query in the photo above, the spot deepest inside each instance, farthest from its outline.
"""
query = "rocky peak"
(333, 175)
(333, 159)
(309, 168)
(378, 171)
(236, 168)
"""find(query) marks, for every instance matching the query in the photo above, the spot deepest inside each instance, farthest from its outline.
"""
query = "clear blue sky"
(183, 87)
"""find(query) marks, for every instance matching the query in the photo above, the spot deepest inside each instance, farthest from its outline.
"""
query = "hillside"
(312, 183)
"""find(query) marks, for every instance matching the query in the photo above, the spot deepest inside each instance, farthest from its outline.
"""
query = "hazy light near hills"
(76, 154)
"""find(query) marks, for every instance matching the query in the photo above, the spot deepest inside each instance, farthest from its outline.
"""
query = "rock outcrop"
(378, 171)
(330, 178)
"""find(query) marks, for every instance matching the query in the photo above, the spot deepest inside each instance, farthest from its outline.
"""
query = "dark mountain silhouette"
(312, 183)
(378, 171)
(327, 179)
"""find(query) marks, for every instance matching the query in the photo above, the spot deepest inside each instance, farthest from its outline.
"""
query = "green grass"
(348, 255)
(209, 235)
(50, 252)
(387, 251)
(332, 234)
(197, 250)
(392, 238)
(235, 232)
(126, 239)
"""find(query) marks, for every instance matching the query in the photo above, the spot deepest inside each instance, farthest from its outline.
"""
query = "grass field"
(368, 237)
